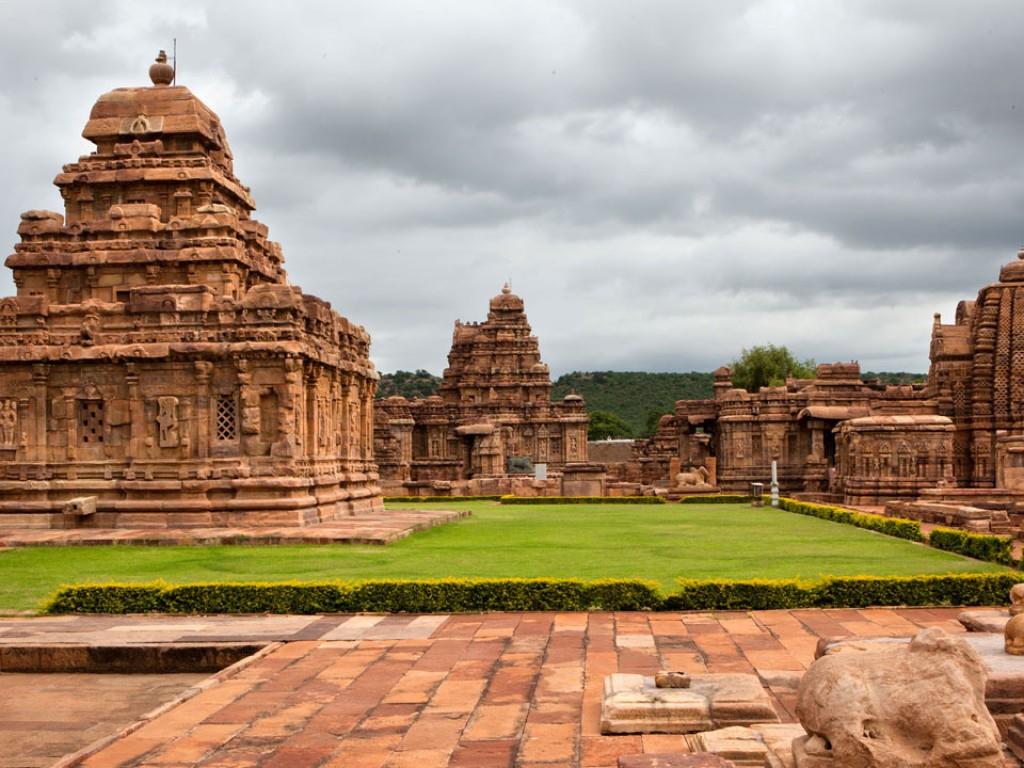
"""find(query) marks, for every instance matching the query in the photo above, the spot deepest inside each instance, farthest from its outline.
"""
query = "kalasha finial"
(161, 73)
(506, 288)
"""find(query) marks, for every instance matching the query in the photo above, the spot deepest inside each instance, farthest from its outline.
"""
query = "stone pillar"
(40, 375)
(71, 423)
(249, 400)
(137, 426)
(203, 371)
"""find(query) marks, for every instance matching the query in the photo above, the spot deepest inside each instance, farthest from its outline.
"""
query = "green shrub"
(842, 592)
(381, 596)
(890, 526)
(477, 595)
(718, 498)
(436, 499)
(582, 500)
(994, 549)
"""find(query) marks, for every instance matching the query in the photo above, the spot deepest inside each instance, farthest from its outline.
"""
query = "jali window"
(90, 421)
(227, 417)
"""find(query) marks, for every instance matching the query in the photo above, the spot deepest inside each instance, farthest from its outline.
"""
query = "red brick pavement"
(494, 690)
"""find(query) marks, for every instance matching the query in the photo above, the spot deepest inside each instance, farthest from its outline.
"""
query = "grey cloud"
(664, 182)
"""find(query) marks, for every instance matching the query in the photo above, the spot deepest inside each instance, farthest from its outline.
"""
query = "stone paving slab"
(503, 690)
(149, 629)
(369, 528)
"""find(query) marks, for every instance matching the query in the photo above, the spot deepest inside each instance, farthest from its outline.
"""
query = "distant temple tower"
(156, 361)
(493, 418)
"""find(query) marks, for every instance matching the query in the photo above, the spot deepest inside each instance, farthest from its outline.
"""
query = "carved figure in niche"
(287, 445)
(8, 423)
(90, 328)
(574, 447)
(167, 421)
(881, 708)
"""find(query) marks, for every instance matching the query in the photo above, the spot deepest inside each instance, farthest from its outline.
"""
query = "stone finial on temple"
(506, 288)
(160, 72)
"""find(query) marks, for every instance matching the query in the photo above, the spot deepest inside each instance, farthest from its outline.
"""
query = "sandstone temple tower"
(493, 418)
(156, 364)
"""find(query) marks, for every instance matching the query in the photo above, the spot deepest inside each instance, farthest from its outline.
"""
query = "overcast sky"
(663, 182)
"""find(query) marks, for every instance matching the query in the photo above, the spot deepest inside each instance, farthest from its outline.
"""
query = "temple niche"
(155, 356)
(492, 422)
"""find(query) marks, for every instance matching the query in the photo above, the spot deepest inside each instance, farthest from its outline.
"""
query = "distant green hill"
(636, 397)
(408, 384)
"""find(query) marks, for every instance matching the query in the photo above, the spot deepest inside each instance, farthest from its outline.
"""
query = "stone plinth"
(704, 760)
(633, 704)
(755, 746)
(985, 620)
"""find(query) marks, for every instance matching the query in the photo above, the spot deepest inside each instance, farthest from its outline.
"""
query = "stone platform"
(370, 528)
(495, 690)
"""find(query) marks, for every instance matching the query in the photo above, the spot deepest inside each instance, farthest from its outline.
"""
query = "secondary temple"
(492, 421)
(958, 438)
(157, 367)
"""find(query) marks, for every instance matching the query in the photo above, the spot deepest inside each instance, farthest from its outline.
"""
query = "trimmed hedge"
(842, 592)
(436, 499)
(890, 526)
(582, 500)
(383, 596)
(718, 498)
(994, 549)
(477, 595)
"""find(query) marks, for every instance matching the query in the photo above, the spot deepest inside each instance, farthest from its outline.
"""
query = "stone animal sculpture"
(920, 705)
(1016, 599)
(694, 477)
(1013, 636)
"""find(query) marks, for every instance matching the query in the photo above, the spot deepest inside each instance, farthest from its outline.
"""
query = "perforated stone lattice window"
(227, 417)
(90, 421)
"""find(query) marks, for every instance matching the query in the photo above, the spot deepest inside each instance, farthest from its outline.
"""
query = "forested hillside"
(638, 398)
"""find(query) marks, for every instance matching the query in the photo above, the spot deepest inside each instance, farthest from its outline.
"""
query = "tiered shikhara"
(155, 356)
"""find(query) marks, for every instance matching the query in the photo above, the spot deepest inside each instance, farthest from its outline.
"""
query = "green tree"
(651, 425)
(768, 365)
(604, 425)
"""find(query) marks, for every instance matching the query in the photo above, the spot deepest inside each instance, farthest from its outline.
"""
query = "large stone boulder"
(920, 705)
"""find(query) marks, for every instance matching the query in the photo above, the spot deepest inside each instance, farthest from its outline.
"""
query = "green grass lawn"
(660, 542)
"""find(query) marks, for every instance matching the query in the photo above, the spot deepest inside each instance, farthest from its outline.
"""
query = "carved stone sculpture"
(920, 705)
(1016, 599)
(693, 480)
(1013, 636)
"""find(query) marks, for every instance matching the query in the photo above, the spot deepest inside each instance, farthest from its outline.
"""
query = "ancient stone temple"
(156, 365)
(738, 434)
(493, 418)
(958, 439)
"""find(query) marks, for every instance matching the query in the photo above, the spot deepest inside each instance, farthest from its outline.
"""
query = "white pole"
(775, 483)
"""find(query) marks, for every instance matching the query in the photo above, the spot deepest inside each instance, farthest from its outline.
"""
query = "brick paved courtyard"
(496, 690)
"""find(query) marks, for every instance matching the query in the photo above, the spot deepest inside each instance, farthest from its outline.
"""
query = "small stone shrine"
(157, 368)
(493, 418)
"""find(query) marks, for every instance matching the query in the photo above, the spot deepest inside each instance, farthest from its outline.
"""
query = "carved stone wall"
(155, 355)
